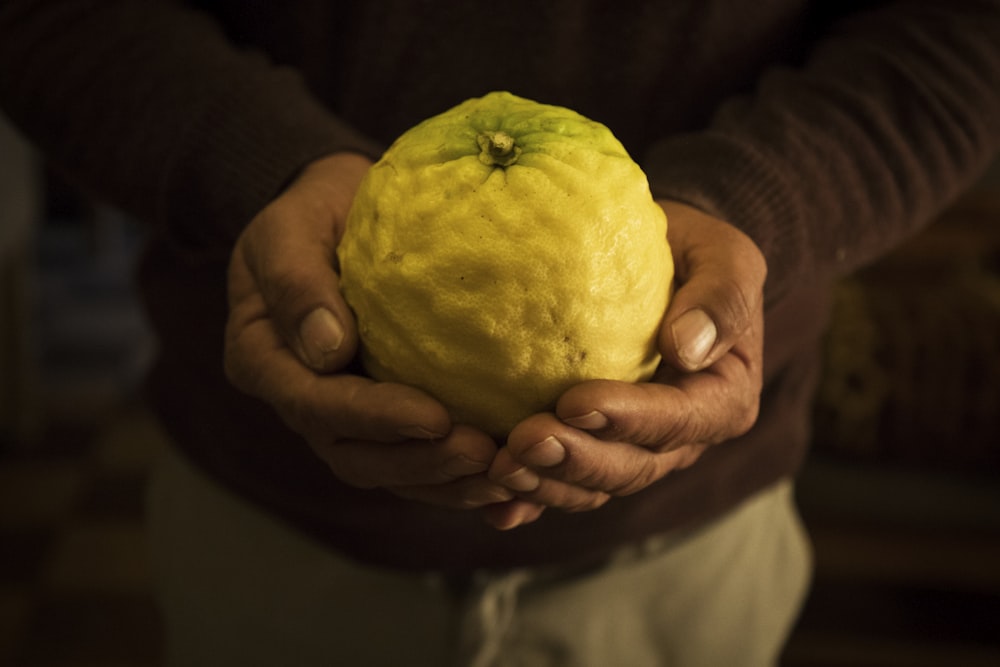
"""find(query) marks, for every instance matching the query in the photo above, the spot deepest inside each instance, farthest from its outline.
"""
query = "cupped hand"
(608, 438)
(290, 339)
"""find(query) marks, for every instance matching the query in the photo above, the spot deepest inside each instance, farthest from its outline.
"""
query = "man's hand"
(290, 335)
(610, 438)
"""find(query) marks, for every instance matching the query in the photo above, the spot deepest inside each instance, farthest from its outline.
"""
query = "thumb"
(720, 274)
(326, 338)
(297, 289)
(290, 252)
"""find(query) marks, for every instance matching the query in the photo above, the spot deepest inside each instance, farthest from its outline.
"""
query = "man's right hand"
(290, 336)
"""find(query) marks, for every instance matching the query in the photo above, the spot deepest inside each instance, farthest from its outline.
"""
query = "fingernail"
(521, 479)
(463, 466)
(418, 432)
(321, 334)
(592, 421)
(695, 335)
(548, 452)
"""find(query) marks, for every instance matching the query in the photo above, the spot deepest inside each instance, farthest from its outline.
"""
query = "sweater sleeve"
(148, 104)
(831, 164)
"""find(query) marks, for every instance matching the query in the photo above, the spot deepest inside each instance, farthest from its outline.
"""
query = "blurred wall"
(20, 209)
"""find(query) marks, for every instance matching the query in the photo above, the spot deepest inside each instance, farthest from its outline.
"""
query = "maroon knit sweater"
(828, 131)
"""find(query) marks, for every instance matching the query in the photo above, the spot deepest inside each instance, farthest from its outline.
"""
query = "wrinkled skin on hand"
(290, 340)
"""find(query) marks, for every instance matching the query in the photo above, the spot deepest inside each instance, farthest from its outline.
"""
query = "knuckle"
(690, 455)
(683, 426)
(470, 503)
(231, 367)
(480, 497)
(598, 478)
(290, 286)
(588, 502)
(748, 253)
(346, 471)
(758, 263)
(743, 412)
(300, 416)
(245, 376)
(737, 306)
(625, 478)
(747, 415)
(645, 473)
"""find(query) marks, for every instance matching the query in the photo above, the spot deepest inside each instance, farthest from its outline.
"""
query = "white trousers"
(239, 588)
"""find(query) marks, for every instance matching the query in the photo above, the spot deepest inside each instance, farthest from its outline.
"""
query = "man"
(316, 519)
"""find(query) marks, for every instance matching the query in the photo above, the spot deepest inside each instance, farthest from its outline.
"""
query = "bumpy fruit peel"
(497, 283)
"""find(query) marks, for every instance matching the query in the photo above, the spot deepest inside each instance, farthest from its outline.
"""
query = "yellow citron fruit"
(501, 252)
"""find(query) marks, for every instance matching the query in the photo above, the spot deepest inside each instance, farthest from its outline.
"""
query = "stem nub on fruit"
(497, 149)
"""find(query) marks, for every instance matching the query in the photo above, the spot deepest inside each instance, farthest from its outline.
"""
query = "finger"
(544, 461)
(710, 406)
(589, 469)
(556, 493)
(720, 274)
(323, 406)
(463, 494)
(583, 485)
(591, 472)
(463, 453)
(511, 514)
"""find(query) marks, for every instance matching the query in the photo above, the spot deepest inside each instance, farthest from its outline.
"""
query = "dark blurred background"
(901, 494)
